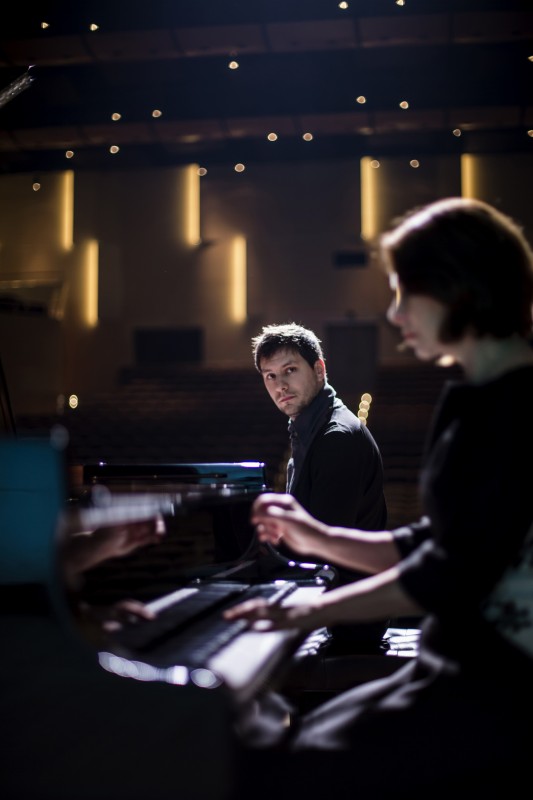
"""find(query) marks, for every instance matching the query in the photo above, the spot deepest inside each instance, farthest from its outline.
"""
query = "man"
(335, 470)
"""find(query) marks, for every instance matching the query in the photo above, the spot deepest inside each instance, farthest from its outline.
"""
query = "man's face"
(290, 381)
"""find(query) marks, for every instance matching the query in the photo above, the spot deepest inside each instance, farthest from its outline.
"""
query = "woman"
(462, 274)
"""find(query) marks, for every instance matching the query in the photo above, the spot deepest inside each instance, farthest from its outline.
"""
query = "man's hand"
(126, 611)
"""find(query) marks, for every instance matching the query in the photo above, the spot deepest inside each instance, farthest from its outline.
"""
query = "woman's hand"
(280, 517)
(265, 616)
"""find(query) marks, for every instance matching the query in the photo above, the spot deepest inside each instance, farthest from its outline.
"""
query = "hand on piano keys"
(83, 550)
(291, 612)
(113, 618)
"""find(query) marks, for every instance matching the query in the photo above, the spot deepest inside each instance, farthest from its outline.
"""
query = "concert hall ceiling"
(124, 83)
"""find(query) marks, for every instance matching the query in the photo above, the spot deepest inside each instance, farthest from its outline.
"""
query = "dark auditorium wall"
(166, 249)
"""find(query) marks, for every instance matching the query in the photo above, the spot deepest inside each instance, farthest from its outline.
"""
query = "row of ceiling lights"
(234, 64)
(343, 5)
(240, 167)
(271, 137)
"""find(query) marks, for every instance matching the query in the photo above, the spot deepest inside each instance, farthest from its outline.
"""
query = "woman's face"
(419, 319)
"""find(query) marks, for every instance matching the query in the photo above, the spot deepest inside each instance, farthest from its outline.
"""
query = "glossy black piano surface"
(121, 720)
(247, 475)
(208, 531)
(209, 545)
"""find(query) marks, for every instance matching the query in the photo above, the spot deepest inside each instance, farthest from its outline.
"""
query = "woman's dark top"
(458, 715)
(476, 488)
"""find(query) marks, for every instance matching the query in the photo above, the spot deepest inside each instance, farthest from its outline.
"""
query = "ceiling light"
(530, 133)
(233, 65)
(307, 137)
(343, 4)
(361, 99)
(69, 154)
(272, 137)
(375, 164)
(457, 132)
(404, 104)
(239, 167)
(114, 149)
(202, 171)
(116, 116)
(93, 27)
(156, 113)
(45, 25)
(36, 186)
(414, 163)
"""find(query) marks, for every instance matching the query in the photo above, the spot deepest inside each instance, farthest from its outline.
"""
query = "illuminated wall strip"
(469, 175)
(369, 199)
(90, 293)
(239, 308)
(67, 215)
(192, 206)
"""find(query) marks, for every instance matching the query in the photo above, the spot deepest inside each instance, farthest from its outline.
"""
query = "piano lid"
(245, 474)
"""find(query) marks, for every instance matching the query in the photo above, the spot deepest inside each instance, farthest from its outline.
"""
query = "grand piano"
(110, 718)
(208, 560)
(132, 715)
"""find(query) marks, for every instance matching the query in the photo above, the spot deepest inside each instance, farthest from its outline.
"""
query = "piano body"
(114, 720)
(208, 560)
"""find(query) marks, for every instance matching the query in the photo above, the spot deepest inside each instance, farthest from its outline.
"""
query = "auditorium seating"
(196, 413)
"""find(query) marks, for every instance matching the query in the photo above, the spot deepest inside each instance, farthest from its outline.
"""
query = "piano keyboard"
(190, 632)
(189, 626)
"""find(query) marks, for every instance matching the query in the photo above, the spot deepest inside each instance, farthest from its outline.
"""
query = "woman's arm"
(279, 517)
(374, 598)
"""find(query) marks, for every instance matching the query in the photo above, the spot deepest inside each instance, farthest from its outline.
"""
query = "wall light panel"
(239, 309)
(369, 199)
(191, 206)
(90, 293)
(67, 210)
(469, 175)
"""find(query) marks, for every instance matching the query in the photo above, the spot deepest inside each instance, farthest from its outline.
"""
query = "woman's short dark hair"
(469, 256)
(288, 336)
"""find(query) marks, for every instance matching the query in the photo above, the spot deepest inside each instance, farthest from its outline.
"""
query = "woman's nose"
(394, 312)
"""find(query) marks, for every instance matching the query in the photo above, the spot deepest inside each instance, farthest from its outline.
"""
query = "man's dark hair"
(469, 256)
(288, 336)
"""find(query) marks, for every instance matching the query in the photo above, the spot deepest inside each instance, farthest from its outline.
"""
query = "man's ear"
(320, 369)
